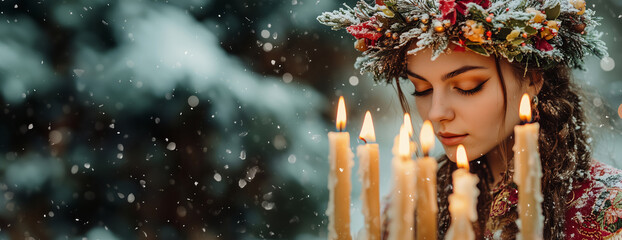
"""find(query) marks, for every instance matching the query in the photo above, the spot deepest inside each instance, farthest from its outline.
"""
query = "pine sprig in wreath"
(536, 33)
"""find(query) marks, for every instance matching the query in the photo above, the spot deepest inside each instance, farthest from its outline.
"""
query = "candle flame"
(461, 157)
(525, 108)
(404, 142)
(341, 115)
(367, 132)
(408, 124)
(427, 137)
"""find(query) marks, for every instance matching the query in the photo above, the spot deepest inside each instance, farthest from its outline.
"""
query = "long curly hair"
(564, 146)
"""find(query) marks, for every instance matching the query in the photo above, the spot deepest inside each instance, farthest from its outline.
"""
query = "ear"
(535, 83)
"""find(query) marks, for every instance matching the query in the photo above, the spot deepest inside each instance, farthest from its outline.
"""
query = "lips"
(450, 139)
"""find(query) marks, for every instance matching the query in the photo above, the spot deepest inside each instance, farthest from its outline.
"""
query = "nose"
(441, 109)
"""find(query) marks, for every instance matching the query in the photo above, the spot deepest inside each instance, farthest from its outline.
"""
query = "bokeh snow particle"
(193, 101)
(291, 158)
(353, 80)
(267, 47)
(56, 137)
(267, 205)
(265, 33)
(217, 177)
(171, 146)
(287, 77)
(78, 72)
(607, 64)
(597, 102)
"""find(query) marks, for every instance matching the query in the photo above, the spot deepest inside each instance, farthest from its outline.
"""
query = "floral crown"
(536, 33)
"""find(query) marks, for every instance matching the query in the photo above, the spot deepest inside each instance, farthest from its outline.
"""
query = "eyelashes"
(463, 92)
(422, 93)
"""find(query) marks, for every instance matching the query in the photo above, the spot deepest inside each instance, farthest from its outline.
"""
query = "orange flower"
(538, 16)
(474, 31)
(579, 5)
(550, 30)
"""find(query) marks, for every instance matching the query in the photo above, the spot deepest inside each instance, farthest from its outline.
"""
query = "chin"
(450, 151)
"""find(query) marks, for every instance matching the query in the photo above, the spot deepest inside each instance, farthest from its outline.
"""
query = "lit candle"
(409, 128)
(528, 175)
(340, 158)
(426, 186)
(368, 174)
(402, 206)
(463, 202)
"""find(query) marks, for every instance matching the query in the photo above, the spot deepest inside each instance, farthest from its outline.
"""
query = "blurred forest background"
(197, 119)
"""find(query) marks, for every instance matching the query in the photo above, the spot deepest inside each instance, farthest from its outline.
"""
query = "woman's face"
(461, 94)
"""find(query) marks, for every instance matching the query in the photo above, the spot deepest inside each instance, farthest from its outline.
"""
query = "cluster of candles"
(414, 183)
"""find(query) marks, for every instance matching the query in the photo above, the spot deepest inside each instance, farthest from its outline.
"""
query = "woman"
(470, 62)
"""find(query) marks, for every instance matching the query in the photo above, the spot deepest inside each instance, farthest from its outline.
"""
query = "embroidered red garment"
(594, 206)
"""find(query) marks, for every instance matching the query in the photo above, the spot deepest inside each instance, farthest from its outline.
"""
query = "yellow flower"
(538, 16)
(474, 31)
(513, 35)
(579, 5)
(550, 30)
(387, 12)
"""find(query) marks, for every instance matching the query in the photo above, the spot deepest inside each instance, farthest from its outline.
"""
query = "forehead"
(422, 63)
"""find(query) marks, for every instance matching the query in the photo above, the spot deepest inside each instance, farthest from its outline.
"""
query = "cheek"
(423, 106)
(483, 119)
(484, 113)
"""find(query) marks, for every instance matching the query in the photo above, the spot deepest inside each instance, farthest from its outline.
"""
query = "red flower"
(365, 30)
(462, 5)
(448, 10)
(460, 46)
(450, 7)
(380, 2)
(543, 45)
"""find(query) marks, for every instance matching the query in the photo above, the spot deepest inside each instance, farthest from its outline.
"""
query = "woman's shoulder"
(595, 205)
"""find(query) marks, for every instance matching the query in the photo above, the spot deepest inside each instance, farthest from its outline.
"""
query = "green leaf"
(478, 49)
(390, 3)
(518, 41)
(516, 23)
(503, 33)
(552, 13)
(530, 30)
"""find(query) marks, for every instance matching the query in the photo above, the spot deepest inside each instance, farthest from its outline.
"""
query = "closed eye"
(473, 90)
(422, 93)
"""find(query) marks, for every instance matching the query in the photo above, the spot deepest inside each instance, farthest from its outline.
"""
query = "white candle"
(339, 186)
(463, 201)
(402, 206)
(369, 177)
(528, 175)
(426, 187)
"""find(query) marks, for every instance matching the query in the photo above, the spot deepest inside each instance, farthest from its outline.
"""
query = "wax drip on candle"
(525, 110)
(427, 137)
(368, 134)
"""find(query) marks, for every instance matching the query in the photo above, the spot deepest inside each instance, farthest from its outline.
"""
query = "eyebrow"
(454, 73)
